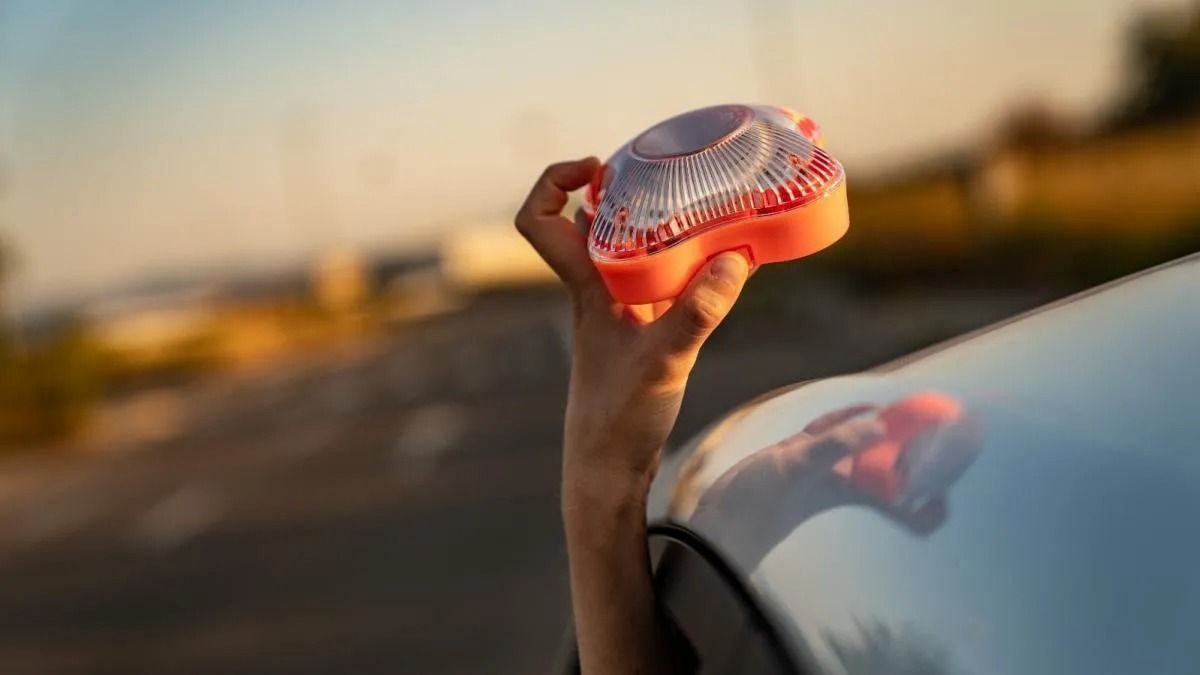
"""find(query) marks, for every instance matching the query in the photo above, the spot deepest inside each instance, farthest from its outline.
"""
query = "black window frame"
(673, 545)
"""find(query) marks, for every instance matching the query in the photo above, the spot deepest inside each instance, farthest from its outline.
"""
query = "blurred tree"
(1164, 54)
(7, 262)
(6, 265)
(47, 390)
(1035, 124)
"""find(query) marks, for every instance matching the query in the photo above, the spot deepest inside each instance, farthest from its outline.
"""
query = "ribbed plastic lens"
(703, 169)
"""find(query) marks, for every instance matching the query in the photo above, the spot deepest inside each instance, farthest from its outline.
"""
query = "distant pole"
(5, 306)
(10, 320)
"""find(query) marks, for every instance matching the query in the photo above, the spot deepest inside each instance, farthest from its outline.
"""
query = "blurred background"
(280, 387)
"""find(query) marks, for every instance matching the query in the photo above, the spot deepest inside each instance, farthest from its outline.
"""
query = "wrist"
(595, 500)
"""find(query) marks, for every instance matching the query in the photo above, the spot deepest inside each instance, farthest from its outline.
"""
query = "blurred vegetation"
(1031, 254)
(47, 390)
(1164, 61)
(184, 360)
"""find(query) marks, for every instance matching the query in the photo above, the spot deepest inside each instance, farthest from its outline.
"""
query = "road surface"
(390, 507)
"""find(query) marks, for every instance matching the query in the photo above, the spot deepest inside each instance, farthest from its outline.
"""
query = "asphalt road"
(388, 508)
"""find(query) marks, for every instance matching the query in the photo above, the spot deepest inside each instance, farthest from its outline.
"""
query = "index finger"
(549, 193)
(554, 237)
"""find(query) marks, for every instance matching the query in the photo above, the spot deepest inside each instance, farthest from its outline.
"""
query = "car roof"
(1067, 544)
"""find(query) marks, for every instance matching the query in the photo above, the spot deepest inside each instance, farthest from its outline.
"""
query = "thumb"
(704, 303)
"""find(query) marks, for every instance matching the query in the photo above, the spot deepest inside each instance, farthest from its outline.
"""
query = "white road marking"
(425, 436)
(180, 517)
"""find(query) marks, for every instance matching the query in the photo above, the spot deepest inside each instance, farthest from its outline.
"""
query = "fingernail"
(730, 267)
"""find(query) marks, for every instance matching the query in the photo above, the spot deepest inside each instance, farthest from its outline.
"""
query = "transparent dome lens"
(704, 169)
(691, 132)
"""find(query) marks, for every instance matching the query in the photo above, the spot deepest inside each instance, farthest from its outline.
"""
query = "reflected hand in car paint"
(899, 459)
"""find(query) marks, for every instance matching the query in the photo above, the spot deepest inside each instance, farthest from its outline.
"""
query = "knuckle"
(548, 173)
(701, 314)
(525, 222)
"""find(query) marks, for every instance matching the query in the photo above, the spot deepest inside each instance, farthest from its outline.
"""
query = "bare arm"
(629, 369)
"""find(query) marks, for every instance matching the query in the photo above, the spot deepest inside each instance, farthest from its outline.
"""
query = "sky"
(143, 139)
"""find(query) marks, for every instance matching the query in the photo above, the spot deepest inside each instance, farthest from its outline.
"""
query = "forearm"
(618, 626)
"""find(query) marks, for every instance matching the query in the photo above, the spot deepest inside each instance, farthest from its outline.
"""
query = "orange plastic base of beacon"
(776, 237)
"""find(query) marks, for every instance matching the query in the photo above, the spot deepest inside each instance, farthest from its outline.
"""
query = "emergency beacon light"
(748, 178)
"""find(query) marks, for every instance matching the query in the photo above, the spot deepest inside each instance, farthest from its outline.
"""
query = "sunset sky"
(143, 138)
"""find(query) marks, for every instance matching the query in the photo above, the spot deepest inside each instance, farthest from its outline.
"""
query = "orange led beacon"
(747, 178)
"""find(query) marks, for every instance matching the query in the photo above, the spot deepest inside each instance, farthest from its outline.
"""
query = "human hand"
(630, 364)
(629, 367)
